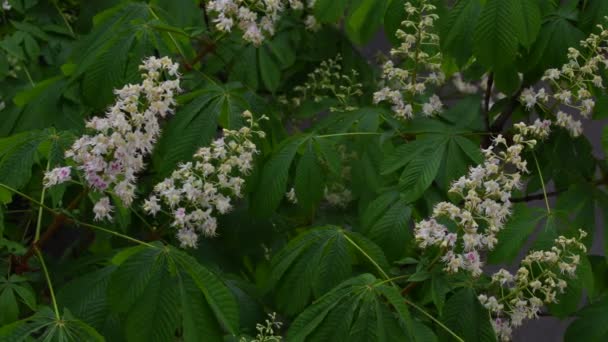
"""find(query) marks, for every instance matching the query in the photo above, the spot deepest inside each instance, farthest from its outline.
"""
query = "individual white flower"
(574, 127)
(187, 238)
(103, 209)
(57, 176)
(311, 23)
(291, 196)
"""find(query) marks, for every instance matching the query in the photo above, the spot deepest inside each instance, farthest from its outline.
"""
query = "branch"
(510, 107)
(58, 221)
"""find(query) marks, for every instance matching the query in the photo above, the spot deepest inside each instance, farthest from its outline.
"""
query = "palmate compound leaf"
(44, 326)
(316, 261)
(157, 290)
(362, 308)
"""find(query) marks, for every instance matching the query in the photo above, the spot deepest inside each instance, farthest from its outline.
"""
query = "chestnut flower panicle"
(572, 85)
(486, 192)
(420, 49)
(538, 281)
(112, 154)
(199, 190)
(257, 19)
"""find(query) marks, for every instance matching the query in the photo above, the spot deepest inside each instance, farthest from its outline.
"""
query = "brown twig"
(206, 48)
(21, 263)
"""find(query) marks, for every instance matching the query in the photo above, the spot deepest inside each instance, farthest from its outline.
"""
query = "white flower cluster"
(328, 81)
(419, 51)
(572, 85)
(197, 190)
(536, 283)
(6, 5)
(486, 192)
(257, 19)
(266, 332)
(114, 153)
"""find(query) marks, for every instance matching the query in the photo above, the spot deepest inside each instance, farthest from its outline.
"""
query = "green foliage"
(325, 229)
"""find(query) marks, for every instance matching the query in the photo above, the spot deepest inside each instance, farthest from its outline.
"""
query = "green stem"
(179, 49)
(39, 221)
(77, 222)
(50, 285)
(458, 338)
(542, 183)
(368, 258)
(27, 73)
(65, 20)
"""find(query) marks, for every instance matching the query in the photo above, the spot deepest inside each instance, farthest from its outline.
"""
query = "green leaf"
(557, 34)
(516, 232)
(355, 310)
(269, 70)
(420, 172)
(386, 222)
(130, 280)
(197, 317)
(593, 14)
(395, 14)
(507, 79)
(273, 183)
(496, 38)
(329, 11)
(9, 308)
(17, 156)
(217, 295)
(528, 20)
(591, 323)
(309, 181)
(466, 317)
(154, 315)
(364, 19)
(457, 29)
